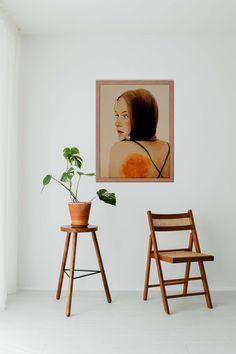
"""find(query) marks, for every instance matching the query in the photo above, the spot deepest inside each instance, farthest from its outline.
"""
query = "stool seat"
(71, 228)
(75, 230)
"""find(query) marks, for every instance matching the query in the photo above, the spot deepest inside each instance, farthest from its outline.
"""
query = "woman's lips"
(120, 132)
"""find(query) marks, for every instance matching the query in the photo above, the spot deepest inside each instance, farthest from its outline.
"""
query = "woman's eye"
(126, 116)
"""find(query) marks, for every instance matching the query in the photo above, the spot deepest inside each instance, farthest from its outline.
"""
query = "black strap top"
(155, 166)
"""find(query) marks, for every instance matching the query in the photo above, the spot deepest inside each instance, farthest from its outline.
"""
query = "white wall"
(57, 109)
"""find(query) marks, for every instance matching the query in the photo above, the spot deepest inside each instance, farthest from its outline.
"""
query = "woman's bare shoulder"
(158, 143)
(161, 142)
(138, 158)
(121, 146)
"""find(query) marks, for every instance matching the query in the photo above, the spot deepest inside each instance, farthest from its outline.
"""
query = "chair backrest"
(171, 222)
(174, 222)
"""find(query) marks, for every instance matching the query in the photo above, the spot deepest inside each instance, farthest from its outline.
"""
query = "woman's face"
(122, 122)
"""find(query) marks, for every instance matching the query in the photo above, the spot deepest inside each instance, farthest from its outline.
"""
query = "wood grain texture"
(175, 222)
(148, 267)
(70, 228)
(184, 256)
(71, 278)
(90, 229)
(63, 264)
(101, 267)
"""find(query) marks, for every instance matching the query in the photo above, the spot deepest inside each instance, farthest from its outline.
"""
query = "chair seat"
(183, 256)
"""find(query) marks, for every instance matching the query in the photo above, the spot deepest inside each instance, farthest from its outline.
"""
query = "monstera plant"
(70, 181)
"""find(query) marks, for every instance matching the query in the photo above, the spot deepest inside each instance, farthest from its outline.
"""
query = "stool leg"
(72, 267)
(63, 263)
(101, 267)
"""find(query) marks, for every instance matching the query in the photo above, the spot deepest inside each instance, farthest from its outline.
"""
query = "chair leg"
(186, 277)
(205, 285)
(71, 278)
(160, 274)
(63, 263)
(148, 266)
(162, 286)
(188, 265)
(99, 258)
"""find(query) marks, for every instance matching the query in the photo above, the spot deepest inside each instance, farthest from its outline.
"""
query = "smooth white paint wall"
(57, 109)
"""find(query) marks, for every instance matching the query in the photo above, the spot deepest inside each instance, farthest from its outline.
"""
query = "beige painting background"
(108, 136)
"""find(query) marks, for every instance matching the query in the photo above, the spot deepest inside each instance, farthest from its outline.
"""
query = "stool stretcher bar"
(92, 272)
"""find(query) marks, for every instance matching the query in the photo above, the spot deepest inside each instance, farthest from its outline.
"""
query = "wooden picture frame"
(139, 150)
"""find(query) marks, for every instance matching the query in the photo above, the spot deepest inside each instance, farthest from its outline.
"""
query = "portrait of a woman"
(138, 150)
(138, 153)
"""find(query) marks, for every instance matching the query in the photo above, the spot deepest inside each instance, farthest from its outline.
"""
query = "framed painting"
(135, 131)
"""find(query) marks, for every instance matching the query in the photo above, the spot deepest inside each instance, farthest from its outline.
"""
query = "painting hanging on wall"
(135, 131)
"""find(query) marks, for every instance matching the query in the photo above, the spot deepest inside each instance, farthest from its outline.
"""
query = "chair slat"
(170, 216)
(175, 281)
(188, 294)
(173, 228)
(173, 250)
(162, 224)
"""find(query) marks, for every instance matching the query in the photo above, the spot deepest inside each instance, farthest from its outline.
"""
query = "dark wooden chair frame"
(175, 222)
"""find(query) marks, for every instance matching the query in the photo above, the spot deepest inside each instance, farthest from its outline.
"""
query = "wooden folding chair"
(175, 222)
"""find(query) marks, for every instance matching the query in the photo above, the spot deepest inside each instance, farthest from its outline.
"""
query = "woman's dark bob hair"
(143, 113)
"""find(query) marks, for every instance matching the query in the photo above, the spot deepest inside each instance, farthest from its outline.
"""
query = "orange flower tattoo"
(135, 166)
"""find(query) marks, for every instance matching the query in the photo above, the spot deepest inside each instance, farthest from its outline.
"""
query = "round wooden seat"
(70, 228)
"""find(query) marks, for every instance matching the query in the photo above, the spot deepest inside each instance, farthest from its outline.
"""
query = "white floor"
(35, 323)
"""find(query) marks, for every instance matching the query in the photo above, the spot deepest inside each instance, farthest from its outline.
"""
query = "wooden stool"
(74, 230)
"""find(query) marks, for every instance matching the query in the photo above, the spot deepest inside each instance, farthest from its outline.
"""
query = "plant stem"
(72, 194)
(77, 185)
(93, 198)
(70, 187)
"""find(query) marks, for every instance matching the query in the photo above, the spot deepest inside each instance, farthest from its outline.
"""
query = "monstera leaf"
(73, 156)
(106, 197)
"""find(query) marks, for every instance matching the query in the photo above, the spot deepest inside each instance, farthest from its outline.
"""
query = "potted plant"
(79, 211)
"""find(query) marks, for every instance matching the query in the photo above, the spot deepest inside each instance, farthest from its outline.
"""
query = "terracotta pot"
(79, 213)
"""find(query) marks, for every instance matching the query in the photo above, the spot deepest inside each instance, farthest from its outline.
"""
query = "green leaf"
(68, 175)
(47, 179)
(66, 153)
(86, 174)
(70, 170)
(106, 197)
(64, 177)
(77, 160)
(74, 151)
(72, 155)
